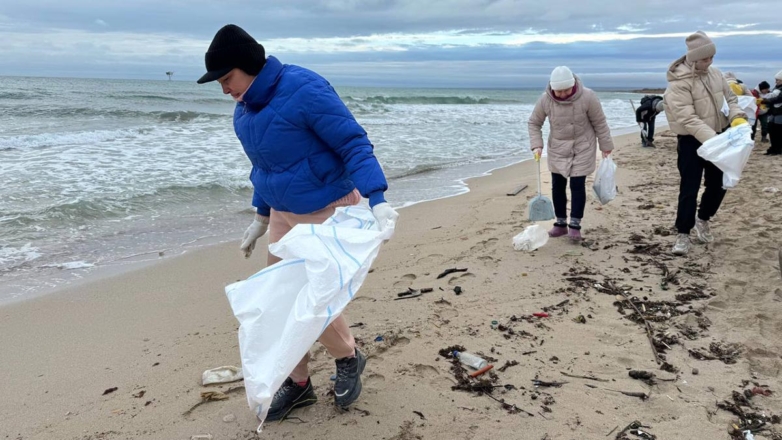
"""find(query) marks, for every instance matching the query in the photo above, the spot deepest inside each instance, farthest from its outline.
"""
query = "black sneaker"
(348, 385)
(289, 397)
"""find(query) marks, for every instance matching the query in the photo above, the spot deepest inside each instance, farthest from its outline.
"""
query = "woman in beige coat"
(577, 123)
(699, 104)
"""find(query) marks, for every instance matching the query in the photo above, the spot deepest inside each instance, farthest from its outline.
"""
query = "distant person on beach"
(761, 113)
(309, 156)
(577, 124)
(773, 101)
(645, 114)
(699, 105)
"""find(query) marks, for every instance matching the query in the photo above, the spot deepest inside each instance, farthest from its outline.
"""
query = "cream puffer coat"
(576, 124)
(694, 101)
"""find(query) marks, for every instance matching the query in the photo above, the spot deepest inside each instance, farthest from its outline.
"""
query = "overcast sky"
(424, 43)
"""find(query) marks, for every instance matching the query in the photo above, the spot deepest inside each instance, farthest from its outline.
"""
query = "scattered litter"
(583, 377)
(140, 394)
(358, 324)
(770, 189)
(379, 339)
(229, 418)
(507, 365)
(471, 360)
(494, 324)
(457, 290)
(419, 414)
(225, 374)
(727, 353)
(110, 390)
(202, 437)
(533, 237)
(760, 391)
(213, 396)
(447, 272)
(646, 376)
(482, 371)
(544, 384)
(541, 314)
(635, 429)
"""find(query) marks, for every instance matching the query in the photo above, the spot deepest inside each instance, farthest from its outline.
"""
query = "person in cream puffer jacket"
(699, 105)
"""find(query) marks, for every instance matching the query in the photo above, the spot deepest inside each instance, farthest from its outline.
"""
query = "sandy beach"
(122, 357)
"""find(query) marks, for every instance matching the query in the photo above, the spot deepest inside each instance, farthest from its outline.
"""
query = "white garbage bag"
(605, 181)
(748, 104)
(283, 309)
(730, 152)
(532, 238)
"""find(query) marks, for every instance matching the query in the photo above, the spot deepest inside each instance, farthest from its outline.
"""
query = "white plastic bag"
(284, 308)
(226, 374)
(729, 151)
(605, 181)
(532, 238)
(748, 104)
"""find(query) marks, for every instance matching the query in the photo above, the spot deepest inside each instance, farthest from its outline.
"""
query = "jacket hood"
(579, 92)
(680, 69)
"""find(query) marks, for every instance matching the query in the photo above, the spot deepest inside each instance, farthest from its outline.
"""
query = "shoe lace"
(343, 369)
(286, 386)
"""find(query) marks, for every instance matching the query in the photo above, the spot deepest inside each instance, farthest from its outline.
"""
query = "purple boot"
(557, 231)
(574, 235)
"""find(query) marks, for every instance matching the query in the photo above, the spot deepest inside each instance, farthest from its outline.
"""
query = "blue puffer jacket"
(306, 148)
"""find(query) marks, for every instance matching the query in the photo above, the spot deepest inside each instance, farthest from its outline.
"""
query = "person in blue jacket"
(309, 156)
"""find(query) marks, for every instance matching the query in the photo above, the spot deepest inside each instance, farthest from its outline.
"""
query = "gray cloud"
(387, 42)
(328, 18)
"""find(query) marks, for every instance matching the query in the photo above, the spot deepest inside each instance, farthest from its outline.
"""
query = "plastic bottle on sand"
(470, 360)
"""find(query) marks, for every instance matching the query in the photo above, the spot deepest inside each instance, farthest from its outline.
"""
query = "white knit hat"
(778, 75)
(562, 78)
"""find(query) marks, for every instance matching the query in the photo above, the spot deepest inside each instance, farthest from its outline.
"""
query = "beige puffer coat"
(576, 125)
(694, 101)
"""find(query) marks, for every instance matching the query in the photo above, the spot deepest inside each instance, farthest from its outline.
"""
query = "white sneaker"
(702, 231)
(682, 245)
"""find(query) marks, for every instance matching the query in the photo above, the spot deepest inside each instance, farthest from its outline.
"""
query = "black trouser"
(691, 169)
(649, 129)
(775, 133)
(577, 195)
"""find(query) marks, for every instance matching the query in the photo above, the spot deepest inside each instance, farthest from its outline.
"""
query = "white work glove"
(385, 215)
(253, 233)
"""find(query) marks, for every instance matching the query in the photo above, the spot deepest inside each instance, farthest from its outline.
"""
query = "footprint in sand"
(490, 261)
(406, 281)
(764, 362)
(426, 371)
(430, 259)
(484, 244)
(373, 380)
(461, 278)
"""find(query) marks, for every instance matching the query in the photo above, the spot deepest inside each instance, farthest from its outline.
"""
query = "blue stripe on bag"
(326, 324)
(276, 267)
(339, 266)
(339, 243)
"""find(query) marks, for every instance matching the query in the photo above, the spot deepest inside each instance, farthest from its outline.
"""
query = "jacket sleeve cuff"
(263, 210)
(376, 198)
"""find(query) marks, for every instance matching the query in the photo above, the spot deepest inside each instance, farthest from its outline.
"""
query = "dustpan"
(540, 207)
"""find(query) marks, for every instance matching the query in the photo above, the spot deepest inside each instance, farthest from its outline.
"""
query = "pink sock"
(302, 383)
